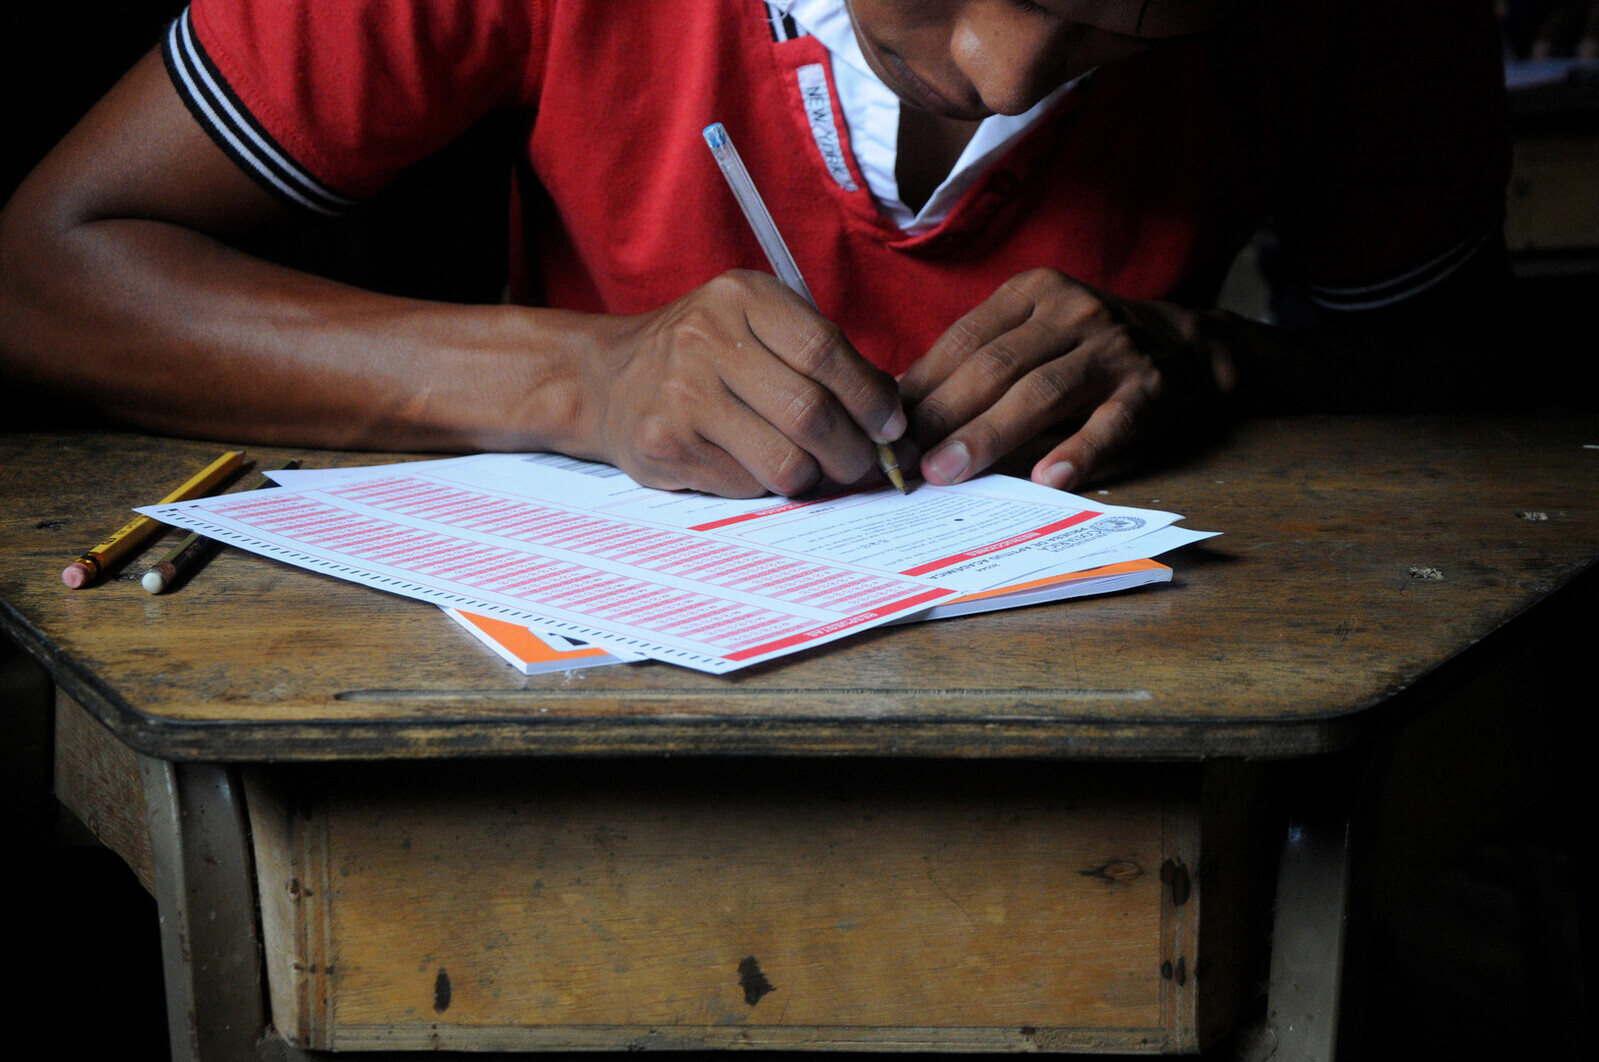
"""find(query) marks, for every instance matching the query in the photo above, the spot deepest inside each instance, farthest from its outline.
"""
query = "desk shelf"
(840, 905)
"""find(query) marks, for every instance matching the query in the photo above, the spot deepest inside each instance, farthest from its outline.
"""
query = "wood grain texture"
(97, 779)
(1289, 636)
(621, 904)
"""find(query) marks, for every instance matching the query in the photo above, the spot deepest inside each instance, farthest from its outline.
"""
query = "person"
(1013, 213)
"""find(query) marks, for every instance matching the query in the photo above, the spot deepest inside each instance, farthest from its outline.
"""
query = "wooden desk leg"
(1309, 935)
(205, 888)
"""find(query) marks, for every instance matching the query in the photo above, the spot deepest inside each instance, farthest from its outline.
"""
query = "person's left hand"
(1045, 350)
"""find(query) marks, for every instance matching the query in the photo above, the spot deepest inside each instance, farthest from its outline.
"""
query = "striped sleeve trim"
(235, 130)
(1408, 285)
(781, 22)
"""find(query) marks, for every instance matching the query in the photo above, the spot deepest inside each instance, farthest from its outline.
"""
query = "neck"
(928, 149)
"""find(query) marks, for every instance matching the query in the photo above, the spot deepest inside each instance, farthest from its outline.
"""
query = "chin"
(914, 91)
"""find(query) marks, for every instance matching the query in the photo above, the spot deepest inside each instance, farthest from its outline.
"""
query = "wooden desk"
(902, 841)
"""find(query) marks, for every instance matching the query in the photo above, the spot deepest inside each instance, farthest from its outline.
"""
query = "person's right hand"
(121, 292)
(737, 388)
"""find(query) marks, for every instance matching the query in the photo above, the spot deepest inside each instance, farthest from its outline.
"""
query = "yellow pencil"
(88, 567)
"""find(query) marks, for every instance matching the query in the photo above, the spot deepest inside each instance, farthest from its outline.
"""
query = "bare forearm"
(119, 291)
(166, 329)
(119, 286)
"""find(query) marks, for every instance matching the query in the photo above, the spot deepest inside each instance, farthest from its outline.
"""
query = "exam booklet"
(533, 653)
(579, 550)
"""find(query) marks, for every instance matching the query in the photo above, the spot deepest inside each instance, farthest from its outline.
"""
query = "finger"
(798, 413)
(670, 453)
(1059, 389)
(1108, 431)
(817, 349)
(704, 467)
(992, 372)
(1002, 311)
(765, 453)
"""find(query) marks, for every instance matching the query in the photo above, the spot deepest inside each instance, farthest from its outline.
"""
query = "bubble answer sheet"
(578, 549)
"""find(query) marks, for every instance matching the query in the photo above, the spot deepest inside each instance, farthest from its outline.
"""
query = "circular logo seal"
(1119, 523)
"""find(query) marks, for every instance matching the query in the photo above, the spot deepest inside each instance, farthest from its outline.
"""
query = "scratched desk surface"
(1359, 556)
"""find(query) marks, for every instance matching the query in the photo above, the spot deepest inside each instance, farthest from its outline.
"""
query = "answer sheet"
(578, 549)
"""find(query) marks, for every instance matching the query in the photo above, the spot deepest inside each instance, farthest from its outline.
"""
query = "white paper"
(577, 549)
(497, 535)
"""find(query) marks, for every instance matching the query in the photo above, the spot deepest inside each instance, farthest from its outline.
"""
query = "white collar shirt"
(871, 113)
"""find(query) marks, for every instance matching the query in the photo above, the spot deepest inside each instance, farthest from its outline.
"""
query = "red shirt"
(1375, 137)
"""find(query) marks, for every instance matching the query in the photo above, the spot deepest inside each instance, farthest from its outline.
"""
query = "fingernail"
(1057, 475)
(948, 462)
(893, 428)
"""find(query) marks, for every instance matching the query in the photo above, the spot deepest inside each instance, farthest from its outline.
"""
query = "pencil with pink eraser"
(88, 567)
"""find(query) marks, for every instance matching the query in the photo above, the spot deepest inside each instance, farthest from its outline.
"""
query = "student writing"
(1012, 215)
